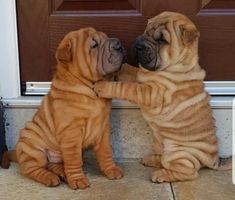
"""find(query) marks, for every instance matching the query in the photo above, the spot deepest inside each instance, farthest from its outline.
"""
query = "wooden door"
(43, 23)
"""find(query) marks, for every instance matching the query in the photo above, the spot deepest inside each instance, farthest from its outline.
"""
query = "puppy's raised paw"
(101, 89)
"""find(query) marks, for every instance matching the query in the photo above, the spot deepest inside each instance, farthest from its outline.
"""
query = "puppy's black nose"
(118, 46)
(139, 43)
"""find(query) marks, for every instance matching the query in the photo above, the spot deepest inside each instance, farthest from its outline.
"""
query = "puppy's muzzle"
(116, 55)
(117, 46)
(140, 44)
(145, 52)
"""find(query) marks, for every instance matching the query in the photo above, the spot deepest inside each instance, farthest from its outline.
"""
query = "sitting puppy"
(71, 117)
(170, 92)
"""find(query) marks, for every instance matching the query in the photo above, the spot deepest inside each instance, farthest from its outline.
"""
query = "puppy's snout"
(116, 45)
(115, 55)
(139, 43)
(119, 48)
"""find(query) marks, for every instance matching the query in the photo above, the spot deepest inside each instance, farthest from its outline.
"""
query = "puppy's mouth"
(148, 61)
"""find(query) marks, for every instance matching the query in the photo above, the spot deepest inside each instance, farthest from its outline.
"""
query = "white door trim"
(9, 55)
(214, 88)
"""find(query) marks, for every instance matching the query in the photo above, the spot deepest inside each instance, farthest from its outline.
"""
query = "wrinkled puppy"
(170, 92)
(71, 117)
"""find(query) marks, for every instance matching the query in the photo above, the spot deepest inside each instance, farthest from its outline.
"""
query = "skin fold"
(168, 87)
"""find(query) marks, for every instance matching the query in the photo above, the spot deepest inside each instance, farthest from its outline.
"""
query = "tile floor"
(211, 185)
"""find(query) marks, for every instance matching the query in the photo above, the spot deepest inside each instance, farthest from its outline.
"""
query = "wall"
(131, 136)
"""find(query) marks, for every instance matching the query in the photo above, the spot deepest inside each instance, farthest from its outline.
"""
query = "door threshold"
(217, 102)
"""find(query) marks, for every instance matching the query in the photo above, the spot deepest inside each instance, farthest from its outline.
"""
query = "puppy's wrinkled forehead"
(96, 35)
(85, 34)
(166, 20)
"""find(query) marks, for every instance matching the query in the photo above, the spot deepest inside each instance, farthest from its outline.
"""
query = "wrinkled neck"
(64, 74)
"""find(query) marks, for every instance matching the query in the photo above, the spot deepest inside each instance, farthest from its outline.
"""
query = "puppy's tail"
(223, 164)
(7, 157)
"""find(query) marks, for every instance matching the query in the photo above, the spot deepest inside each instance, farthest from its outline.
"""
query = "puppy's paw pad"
(113, 173)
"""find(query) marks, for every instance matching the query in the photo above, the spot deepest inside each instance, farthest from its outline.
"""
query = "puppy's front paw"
(78, 183)
(101, 89)
(113, 173)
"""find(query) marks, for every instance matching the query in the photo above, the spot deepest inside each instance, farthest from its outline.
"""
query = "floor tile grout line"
(172, 191)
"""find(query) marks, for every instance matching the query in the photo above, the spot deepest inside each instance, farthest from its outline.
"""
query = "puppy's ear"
(64, 51)
(188, 34)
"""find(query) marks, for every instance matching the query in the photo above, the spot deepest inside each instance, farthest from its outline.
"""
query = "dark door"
(43, 23)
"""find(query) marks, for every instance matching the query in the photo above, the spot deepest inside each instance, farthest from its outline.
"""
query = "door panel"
(122, 19)
(43, 23)
(94, 5)
(33, 33)
(216, 22)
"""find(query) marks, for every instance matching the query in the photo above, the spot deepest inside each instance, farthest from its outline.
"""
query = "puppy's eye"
(94, 44)
(161, 39)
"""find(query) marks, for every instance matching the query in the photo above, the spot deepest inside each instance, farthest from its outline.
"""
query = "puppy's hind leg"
(166, 175)
(33, 165)
(177, 166)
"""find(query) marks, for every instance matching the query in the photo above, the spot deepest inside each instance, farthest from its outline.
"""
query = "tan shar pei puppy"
(71, 117)
(170, 92)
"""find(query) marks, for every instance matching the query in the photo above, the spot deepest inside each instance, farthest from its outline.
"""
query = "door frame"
(9, 55)
(9, 59)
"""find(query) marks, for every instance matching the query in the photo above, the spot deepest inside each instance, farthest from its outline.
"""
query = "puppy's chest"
(80, 113)
(99, 109)
(97, 122)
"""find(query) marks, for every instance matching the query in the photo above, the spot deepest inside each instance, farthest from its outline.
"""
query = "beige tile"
(134, 186)
(211, 185)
